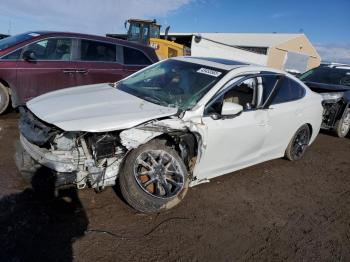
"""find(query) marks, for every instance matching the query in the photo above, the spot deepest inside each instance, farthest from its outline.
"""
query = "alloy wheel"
(300, 143)
(159, 174)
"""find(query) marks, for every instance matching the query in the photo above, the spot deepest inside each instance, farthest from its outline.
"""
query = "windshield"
(327, 75)
(134, 33)
(154, 31)
(172, 83)
(13, 40)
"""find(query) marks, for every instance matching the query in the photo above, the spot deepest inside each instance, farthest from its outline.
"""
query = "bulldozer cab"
(142, 30)
(147, 32)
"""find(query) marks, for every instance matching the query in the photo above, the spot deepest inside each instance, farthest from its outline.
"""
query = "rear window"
(135, 57)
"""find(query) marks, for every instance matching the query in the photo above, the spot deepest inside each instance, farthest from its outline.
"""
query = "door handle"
(262, 123)
(82, 71)
(68, 71)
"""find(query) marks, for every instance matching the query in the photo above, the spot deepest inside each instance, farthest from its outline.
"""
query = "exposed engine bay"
(94, 159)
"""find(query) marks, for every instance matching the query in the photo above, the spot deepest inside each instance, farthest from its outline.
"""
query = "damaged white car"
(172, 125)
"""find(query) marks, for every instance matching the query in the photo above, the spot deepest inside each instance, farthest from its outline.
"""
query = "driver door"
(232, 142)
(52, 69)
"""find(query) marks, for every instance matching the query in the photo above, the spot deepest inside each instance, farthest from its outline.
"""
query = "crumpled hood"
(95, 108)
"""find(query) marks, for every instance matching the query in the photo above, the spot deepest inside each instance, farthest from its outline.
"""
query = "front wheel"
(154, 178)
(4, 98)
(342, 126)
(297, 146)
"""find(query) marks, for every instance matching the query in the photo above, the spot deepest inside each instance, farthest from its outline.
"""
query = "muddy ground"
(275, 211)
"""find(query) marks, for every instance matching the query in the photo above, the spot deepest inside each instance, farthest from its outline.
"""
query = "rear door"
(285, 112)
(99, 62)
(52, 68)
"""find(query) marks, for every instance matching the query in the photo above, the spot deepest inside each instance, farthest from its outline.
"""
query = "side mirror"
(29, 55)
(231, 109)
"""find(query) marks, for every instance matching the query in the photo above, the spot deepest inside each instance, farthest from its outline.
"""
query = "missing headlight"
(103, 145)
(35, 130)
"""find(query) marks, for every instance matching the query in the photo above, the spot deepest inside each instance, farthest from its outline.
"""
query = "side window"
(289, 90)
(135, 57)
(244, 93)
(52, 49)
(13, 56)
(268, 82)
(100, 51)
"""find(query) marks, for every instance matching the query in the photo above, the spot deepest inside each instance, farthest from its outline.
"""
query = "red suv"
(38, 62)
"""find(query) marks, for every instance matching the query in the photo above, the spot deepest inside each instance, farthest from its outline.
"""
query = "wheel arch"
(6, 103)
(311, 129)
(12, 92)
(3, 82)
(187, 144)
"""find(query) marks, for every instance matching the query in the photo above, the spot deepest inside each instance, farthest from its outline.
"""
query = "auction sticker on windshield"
(208, 72)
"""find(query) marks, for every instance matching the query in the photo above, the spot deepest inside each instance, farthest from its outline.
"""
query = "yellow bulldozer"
(148, 33)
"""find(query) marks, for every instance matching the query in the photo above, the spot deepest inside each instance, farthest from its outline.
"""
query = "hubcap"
(159, 174)
(300, 143)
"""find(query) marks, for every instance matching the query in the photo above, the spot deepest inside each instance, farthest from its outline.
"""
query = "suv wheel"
(154, 178)
(342, 126)
(4, 98)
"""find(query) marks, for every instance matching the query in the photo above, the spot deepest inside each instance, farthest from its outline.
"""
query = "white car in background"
(172, 125)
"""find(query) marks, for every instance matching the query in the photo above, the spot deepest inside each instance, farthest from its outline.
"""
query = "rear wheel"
(4, 98)
(297, 146)
(342, 126)
(154, 178)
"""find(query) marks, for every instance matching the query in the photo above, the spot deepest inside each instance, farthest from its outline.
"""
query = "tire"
(144, 182)
(4, 98)
(298, 144)
(342, 126)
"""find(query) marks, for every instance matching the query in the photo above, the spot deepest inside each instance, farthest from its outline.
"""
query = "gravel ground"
(275, 211)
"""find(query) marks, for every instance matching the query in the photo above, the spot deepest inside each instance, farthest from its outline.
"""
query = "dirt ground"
(275, 211)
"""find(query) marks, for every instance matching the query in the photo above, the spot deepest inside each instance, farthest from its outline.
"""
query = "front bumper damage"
(24, 162)
(44, 145)
(95, 159)
(59, 162)
(28, 167)
(71, 167)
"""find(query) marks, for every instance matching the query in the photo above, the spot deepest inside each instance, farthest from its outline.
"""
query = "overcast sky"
(325, 23)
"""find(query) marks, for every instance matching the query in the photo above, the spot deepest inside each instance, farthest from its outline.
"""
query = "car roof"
(95, 37)
(220, 63)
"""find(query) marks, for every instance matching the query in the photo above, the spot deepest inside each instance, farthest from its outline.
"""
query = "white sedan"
(170, 126)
